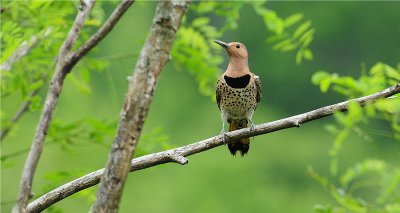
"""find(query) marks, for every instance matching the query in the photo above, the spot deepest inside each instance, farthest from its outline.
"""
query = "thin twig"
(54, 91)
(154, 55)
(155, 159)
(103, 30)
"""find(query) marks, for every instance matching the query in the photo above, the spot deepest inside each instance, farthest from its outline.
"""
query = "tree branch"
(103, 31)
(56, 83)
(154, 55)
(155, 159)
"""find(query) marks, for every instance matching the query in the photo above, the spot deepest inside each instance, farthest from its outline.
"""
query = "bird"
(238, 92)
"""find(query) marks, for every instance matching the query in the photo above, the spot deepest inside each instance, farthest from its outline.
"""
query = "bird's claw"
(251, 126)
(223, 135)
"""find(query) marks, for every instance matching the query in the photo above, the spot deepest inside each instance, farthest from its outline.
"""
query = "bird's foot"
(251, 126)
(223, 135)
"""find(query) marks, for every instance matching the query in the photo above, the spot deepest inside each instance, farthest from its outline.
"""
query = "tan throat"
(237, 67)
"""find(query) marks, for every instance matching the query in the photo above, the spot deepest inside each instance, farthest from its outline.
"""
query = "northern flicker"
(238, 92)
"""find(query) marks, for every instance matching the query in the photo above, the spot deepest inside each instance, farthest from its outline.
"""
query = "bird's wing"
(258, 87)
(218, 93)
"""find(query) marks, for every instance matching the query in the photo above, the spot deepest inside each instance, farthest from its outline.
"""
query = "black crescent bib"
(239, 82)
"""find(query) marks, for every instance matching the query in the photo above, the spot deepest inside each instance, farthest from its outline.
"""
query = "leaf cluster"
(290, 33)
(39, 28)
(357, 178)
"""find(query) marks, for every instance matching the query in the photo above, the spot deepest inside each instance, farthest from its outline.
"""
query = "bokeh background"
(272, 177)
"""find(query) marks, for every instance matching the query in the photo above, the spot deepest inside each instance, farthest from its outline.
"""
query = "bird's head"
(234, 49)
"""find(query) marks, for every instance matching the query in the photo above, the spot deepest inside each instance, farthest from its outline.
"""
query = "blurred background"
(273, 176)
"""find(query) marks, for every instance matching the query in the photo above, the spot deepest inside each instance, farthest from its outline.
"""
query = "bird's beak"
(223, 44)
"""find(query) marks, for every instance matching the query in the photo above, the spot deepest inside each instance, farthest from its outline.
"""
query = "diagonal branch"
(179, 154)
(103, 30)
(56, 83)
(154, 55)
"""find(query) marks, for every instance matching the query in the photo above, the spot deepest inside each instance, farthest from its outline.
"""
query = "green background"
(272, 177)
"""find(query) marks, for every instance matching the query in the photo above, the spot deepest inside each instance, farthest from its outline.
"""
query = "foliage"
(300, 39)
(41, 25)
(357, 178)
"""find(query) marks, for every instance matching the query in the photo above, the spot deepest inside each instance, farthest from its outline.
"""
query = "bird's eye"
(238, 46)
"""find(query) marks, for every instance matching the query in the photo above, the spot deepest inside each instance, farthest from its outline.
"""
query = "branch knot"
(177, 158)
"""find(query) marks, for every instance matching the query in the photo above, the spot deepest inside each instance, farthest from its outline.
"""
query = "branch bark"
(153, 57)
(179, 154)
(56, 83)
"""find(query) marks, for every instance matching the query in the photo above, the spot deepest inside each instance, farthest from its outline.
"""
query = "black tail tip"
(243, 148)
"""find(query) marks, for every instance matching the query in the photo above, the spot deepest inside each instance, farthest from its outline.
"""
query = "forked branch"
(60, 72)
(66, 61)
(179, 154)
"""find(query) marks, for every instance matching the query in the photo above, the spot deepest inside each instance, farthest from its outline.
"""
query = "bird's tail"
(241, 145)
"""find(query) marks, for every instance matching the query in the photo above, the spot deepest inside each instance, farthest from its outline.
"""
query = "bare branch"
(24, 48)
(56, 83)
(155, 159)
(153, 57)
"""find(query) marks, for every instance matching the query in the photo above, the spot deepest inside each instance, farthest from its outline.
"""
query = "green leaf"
(289, 47)
(292, 19)
(319, 76)
(301, 29)
(201, 21)
(84, 75)
(299, 56)
(308, 55)
(360, 169)
(282, 44)
(36, 85)
(273, 22)
(392, 73)
(354, 113)
(35, 104)
(377, 68)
